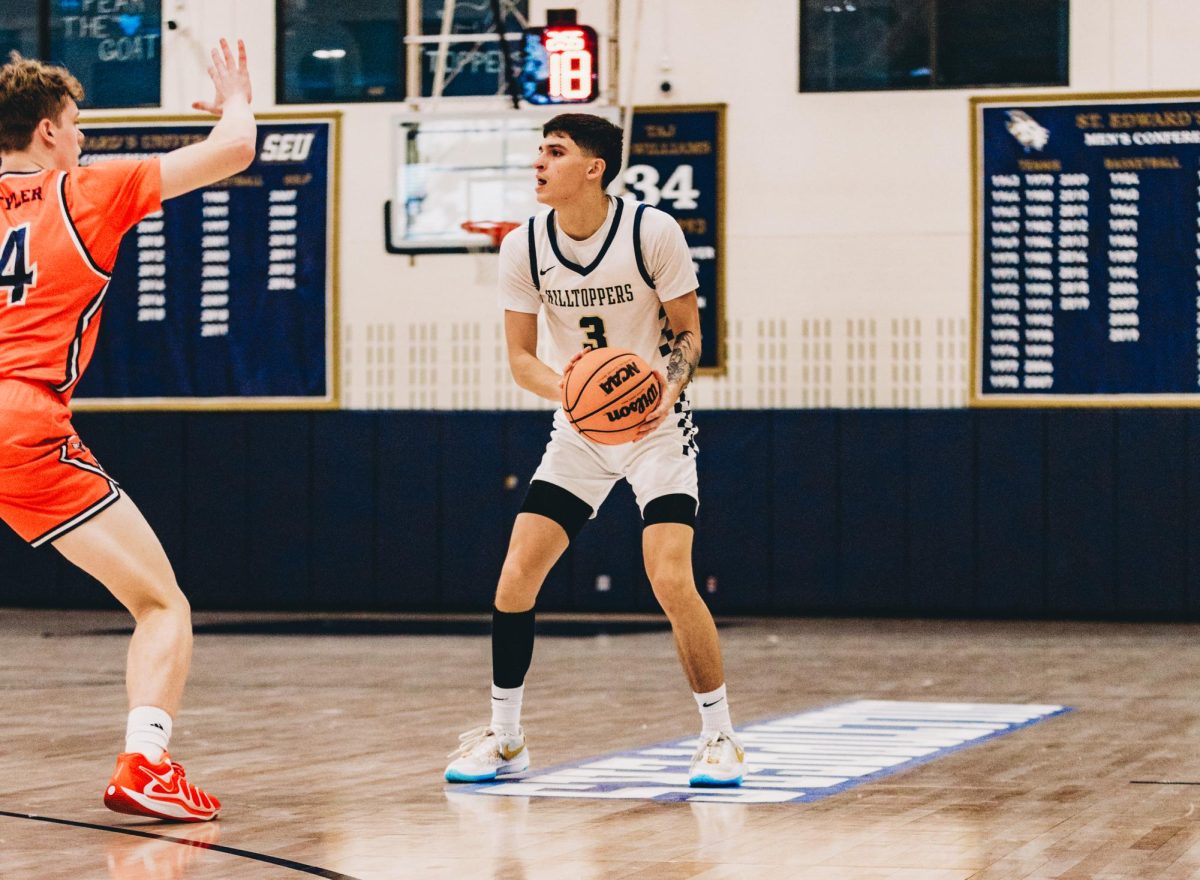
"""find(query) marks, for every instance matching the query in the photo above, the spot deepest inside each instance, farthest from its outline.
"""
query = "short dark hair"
(594, 135)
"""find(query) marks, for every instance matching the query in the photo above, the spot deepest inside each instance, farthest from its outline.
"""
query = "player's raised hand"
(231, 78)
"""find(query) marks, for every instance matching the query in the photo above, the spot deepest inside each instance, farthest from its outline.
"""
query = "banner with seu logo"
(225, 298)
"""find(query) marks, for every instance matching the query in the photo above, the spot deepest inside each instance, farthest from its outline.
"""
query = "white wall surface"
(847, 215)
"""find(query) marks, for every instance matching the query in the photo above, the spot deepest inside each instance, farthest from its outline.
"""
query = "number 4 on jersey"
(15, 272)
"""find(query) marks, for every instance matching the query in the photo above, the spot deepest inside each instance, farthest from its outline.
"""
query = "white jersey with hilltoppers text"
(604, 291)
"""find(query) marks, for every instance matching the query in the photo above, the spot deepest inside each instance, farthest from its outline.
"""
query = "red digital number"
(571, 63)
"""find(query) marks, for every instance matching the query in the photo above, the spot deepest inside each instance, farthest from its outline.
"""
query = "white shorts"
(662, 464)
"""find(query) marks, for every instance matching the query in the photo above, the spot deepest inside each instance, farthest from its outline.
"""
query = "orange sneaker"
(159, 790)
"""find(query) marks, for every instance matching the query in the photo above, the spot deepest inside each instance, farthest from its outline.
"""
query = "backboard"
(457, 168)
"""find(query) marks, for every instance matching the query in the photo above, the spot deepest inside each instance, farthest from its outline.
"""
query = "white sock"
(506, 709)
(714, 712)
(148, 731)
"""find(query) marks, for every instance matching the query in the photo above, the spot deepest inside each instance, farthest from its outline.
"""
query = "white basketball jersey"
(611, 301)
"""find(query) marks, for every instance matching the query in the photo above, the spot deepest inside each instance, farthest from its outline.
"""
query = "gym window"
(114, 50)
(858, 45)
(335, 51)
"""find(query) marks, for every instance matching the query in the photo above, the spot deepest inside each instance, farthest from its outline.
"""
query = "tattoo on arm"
(685, 354)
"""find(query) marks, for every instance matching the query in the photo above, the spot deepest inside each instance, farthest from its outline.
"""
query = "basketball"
(608, 394)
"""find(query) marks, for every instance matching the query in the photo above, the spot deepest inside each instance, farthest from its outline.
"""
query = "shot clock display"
(561, 65)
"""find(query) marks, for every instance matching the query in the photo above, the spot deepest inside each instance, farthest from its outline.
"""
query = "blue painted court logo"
(798, 759)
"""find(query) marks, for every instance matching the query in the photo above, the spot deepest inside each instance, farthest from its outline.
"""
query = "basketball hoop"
(486, 266)
(493, 229)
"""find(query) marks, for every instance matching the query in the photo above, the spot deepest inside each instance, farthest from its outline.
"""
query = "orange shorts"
(49, 481)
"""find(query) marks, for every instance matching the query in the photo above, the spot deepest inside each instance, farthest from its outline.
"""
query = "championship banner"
(677, 163)
(226, 298)
(1086, 250)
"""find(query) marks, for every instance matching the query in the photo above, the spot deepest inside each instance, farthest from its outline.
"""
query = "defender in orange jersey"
(60, 228)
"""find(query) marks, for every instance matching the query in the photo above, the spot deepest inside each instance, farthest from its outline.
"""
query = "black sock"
(512, 647)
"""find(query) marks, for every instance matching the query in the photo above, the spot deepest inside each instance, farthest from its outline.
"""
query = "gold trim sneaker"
(483, 754)
(719, 761)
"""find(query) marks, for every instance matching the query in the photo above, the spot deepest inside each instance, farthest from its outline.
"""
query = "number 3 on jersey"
(15, 272)
(595, 332)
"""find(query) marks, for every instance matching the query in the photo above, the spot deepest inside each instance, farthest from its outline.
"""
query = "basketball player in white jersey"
(603, 271)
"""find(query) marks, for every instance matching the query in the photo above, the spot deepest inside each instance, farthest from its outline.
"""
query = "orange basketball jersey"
(59, 235)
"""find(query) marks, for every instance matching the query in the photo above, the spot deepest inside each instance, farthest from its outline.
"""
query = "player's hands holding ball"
(562, 383)
(231, 79)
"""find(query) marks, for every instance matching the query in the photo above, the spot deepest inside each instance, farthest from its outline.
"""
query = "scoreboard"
(226, 298)
(561, 65)
(1086, 250)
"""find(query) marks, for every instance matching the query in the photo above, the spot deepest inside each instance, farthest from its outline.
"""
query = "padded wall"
(947, 512)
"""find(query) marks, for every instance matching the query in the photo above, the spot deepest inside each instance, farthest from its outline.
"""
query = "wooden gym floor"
(327, 751)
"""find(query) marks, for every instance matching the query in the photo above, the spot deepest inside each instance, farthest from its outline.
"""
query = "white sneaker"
(483, 755)
(720, 760)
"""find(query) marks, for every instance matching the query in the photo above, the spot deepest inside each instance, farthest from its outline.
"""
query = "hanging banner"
(1086, 250)
(677, 163)
(226, 298)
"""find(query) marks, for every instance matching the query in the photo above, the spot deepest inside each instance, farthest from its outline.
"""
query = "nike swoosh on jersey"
(547, 269)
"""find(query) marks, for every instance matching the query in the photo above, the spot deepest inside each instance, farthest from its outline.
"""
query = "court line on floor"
(228, 850)
(1162, 782)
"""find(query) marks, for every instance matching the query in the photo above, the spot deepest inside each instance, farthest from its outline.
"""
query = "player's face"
(68, 138)
(562, 170)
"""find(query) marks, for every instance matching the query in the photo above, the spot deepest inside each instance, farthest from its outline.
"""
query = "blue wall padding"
(1013, 513)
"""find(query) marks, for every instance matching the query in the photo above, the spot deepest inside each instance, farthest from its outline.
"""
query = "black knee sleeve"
(670, 509)
(556, 503)
(512, 647)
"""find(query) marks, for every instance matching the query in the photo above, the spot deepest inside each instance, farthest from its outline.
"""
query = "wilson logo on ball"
(644, 403)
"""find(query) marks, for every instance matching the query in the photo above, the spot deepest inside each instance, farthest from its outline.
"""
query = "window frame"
(402, 73)
(44, 34)
(408, 62)
(1064, 57)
